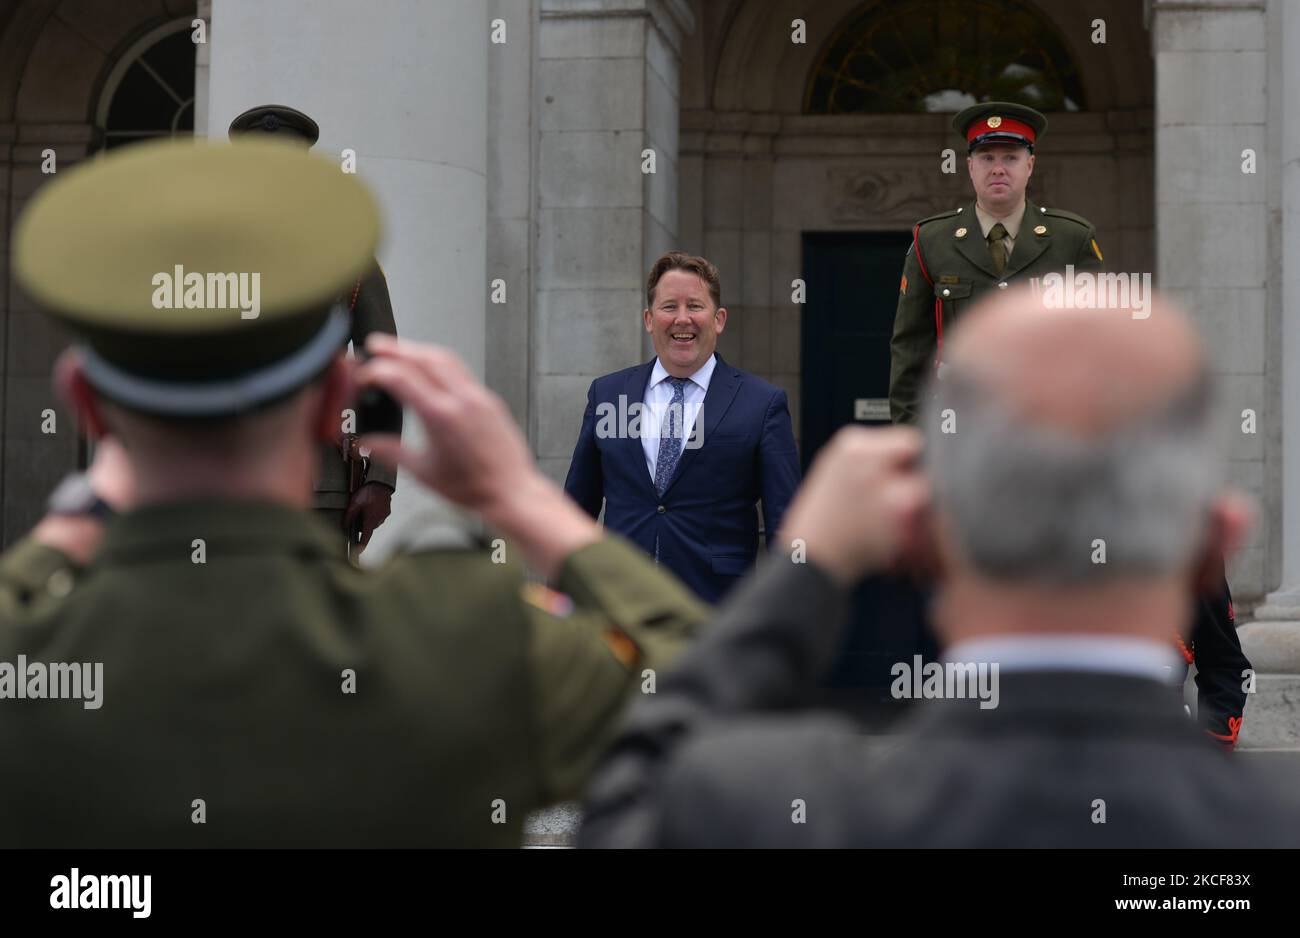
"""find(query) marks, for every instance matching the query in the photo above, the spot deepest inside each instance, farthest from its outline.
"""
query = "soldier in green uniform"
(356, 512)
(204, 667)
(1000, 237)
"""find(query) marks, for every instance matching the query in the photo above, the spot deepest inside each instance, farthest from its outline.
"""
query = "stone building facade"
(508, 141)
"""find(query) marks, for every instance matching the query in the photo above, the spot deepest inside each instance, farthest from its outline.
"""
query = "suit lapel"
(973, 247)
(1029, 246)
(634, 386)
(717, 399)
(634, 390)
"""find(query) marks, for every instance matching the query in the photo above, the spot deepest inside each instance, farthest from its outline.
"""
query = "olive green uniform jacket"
(956, 258)
(259, 690)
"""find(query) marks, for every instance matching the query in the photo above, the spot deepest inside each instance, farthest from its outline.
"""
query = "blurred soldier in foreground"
(1078, 736)
(233, 679)
(353, 494)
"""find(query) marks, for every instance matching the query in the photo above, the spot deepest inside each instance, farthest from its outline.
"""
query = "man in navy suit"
(681, 448)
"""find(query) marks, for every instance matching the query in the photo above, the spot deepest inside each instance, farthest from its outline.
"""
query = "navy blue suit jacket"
(706, 522)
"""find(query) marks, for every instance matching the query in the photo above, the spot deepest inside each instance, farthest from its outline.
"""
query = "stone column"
(607, 79)
(511, 201)
(1217, 253)
(404, 84)
(733, 181)
(1272, 639)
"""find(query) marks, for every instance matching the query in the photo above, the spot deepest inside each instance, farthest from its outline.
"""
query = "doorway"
(848, 319)
(852, 283)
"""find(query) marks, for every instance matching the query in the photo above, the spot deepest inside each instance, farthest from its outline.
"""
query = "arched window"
(150, 91)
(908, 56)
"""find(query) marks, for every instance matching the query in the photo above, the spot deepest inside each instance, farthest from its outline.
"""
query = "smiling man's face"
(683, 322)
(1000, 172)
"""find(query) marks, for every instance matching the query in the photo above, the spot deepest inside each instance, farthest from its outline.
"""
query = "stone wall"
(607, 79)
(1215, 233)
(56, 58)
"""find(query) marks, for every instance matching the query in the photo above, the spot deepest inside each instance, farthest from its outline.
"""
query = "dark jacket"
(1222, 668)
(705, 523)
(722, 755)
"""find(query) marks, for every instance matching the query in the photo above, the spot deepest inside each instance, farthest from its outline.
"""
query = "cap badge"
(995, 123)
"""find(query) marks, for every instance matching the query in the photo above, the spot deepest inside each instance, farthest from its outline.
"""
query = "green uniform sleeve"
(373, 312)
(628, 616)
(912, 346)
(30, 571)
(1090, 256)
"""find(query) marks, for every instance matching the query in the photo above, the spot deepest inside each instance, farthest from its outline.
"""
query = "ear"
(335, 394)
(1030, 163)
(720, 318)
(1231, 517)
(927, 549)
(71, 384)
(648, 318)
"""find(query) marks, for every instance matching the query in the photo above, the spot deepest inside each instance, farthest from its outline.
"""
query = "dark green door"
(848, 317)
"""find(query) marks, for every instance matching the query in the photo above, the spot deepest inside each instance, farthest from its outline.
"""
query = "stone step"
(554, 827)
(1273, 714)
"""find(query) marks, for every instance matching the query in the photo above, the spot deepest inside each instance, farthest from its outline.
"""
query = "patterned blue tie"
(670, 436)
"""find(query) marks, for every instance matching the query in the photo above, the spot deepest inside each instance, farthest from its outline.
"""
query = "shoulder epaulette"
(948, 214)
(1062, 213)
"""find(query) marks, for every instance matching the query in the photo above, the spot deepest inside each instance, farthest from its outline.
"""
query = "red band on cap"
(1005, 126)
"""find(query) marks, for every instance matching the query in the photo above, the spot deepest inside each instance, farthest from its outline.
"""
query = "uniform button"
(59, 584)
(662, 509)
(1002, 285)
(947, 292)
(1043, 210)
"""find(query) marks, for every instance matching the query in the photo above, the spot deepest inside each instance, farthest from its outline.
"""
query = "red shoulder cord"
(938, 303)
(356, 291)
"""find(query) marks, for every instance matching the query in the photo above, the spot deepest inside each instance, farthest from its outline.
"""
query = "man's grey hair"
(1032, 503)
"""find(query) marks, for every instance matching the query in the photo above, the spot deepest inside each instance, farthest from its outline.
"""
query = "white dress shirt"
(659, 394)
(1108, 654)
